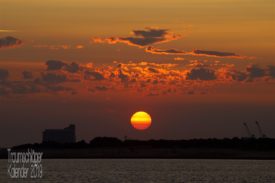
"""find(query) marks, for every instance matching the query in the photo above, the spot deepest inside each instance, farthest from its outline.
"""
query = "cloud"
(141, 38)
(147, 78)
(201, 73)
(32, 87)
(153, 94)
(9, 42)
(204, 53)
(95, 75)
(79, 46)
(59, 47)
(255, 71)
(157, 51)
(4, 74)
(53, 65)
(27, 74)
(151, 69)
(250, 73)
(53, 78)
(23, 88)
(217, 54)
(124, 77)
(239, 76)
(179, 59)
(271, 71)
(73, 67)
(58, 88)
(101, 88)
(49, 81)
(151, 36)
(7, 30)
(18, 87)
(191, 92)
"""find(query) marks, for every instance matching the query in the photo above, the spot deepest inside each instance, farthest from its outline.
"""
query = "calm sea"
(151, 170)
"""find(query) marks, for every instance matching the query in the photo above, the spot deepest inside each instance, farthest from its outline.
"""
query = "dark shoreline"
(113, 148)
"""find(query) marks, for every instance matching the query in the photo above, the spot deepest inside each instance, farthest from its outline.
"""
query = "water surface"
(151, 171)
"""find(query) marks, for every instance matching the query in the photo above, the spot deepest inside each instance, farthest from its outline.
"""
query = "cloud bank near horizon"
(149, 78)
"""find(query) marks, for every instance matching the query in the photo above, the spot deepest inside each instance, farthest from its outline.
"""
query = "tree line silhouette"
(111, 142)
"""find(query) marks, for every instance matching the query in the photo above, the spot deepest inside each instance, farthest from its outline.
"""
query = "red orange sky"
(200, 67)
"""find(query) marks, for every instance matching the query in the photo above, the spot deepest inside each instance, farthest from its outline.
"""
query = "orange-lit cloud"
(151, 36)
(179, 58)
(148, 78)
(79, 46)
(157, 51)
(141, 38)
(59, 47)
(202, 53)
(7, 30)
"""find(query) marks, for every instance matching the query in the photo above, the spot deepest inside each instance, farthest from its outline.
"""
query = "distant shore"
(133, 153)
(109, 147)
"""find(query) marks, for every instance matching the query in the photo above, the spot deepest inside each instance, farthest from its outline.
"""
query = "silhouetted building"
(66, 135)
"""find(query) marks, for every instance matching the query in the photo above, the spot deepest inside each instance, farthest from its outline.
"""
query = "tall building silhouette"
(66, 135)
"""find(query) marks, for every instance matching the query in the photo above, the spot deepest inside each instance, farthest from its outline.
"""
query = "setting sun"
(141, 120)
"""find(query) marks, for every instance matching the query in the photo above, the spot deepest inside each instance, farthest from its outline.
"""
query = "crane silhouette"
(262, 135)
(248, 131)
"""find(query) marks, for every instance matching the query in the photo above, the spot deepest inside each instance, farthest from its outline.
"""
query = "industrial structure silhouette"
(66, 135)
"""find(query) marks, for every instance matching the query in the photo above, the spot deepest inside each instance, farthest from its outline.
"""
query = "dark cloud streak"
(141, 38)
(9, 42)
(200, 53)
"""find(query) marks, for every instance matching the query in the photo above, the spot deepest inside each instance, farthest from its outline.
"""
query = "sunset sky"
(200, 68)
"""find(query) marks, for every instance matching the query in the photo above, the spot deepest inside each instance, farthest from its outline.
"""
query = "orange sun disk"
(141, 120)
